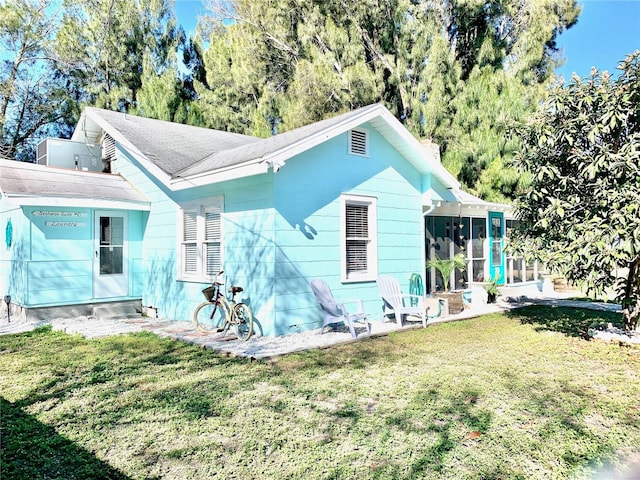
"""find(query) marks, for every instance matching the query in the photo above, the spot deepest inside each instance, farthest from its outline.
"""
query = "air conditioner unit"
(56, 152)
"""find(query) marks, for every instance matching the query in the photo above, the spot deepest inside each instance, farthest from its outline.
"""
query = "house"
(146, 211)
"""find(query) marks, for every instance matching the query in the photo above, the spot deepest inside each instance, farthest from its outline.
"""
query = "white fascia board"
(276, 159)
(129, 147)
(51, 201)
(284, 154)
(468, 210)
(431, 165)
(247, 169)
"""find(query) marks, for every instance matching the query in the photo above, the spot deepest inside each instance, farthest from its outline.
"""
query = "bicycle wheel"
(210, 316)
(242, 321)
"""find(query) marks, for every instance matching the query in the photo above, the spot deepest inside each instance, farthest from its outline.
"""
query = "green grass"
(512, 396)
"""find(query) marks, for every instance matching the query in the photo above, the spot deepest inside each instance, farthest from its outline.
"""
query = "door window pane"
(111, 245)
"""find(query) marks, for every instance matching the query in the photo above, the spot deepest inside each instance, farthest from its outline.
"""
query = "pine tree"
(108, 47)
(454, 71)
(33, 98)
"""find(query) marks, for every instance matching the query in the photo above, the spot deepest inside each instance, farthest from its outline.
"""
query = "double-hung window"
(200, 239)
(359, 238)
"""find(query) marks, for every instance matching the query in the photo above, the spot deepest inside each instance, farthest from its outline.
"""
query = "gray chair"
(335, 311)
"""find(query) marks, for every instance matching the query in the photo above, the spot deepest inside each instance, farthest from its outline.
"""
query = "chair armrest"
(400, 300)
(358, 301)
(410, 296)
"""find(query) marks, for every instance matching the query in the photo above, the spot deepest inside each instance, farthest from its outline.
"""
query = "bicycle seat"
(235, 290)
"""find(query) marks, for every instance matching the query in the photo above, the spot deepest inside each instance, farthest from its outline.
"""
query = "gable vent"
(108, 152)
(358, 144)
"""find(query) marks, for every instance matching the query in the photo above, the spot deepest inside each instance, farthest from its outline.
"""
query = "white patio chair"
(335, 311)
(400, 303)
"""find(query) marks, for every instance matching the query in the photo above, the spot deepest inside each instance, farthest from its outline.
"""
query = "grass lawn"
(521, 395)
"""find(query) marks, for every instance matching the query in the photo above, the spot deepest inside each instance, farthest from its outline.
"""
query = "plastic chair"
(335, 311)
(400, 303)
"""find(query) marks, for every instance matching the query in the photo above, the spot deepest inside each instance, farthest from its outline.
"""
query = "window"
(200, 239)
(359, 238)
(478, 249)
(518, 269)
(358, 142)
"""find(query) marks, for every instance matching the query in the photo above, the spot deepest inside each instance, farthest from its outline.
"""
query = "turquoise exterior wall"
(59, 266)
(307, 201)
(13, 279)
(283, 229)
(248, 243)
(51, 260)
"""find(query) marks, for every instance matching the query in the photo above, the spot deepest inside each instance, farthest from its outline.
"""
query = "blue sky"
(606, 31)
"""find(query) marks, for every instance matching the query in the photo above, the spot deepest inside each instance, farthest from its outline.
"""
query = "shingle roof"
(170, 146)
(19, 179)
(182, 156)
(263, 147)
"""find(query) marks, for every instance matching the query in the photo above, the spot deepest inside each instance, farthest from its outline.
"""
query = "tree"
(581, 213)
(33, 97)
(108, 47)
(456, 71)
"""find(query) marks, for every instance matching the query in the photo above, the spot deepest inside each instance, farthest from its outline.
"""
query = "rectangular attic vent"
(358, 142)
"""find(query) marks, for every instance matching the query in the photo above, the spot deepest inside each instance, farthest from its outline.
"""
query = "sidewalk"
(265, 348)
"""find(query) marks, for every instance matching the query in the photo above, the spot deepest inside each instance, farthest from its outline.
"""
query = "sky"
(607, 31)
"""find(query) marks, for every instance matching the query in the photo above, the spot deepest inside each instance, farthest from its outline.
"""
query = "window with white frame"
(200, 239)
(359, 234)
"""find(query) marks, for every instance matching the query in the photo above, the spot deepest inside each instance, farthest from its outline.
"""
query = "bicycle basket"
(209, 292)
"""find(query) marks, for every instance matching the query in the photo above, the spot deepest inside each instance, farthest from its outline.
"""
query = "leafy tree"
(581, 213)
(108, 48)
(33, 97)
(455, 71)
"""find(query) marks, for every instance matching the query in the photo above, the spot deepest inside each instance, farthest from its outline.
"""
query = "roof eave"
(234, 172)
(77, 202)
(150, 166)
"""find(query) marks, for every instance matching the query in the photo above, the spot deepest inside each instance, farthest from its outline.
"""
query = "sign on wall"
(65, 218)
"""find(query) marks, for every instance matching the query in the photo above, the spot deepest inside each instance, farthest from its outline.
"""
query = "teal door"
(496, 246)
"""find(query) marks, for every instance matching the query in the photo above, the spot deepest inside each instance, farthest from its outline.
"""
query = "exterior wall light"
(7, 300)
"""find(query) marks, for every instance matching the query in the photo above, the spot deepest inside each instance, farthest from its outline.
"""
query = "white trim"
(254, 167)
(372, 249)
(90, 113)
(110, 285)
(201, 206)
(80, 202)
(389, 127)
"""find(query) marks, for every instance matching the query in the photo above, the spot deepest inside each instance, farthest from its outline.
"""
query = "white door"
(111, 276)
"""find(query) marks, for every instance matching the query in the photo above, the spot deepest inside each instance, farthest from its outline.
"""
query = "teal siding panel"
(60, 233)
(248, 248)
(13, 258)
(59, 282)
(283, 229)
(307, 195)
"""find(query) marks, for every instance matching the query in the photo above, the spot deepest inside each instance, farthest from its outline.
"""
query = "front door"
(111, 277)
(496, 239)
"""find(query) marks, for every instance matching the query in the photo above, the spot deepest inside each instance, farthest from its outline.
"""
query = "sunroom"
(458, 222)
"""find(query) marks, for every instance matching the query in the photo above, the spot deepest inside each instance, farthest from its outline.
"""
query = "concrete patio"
(267, 348)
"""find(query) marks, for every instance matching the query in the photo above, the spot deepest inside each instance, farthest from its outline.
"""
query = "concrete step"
(117, 310)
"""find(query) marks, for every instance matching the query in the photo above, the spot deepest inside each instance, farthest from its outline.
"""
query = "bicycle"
(219, 312)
